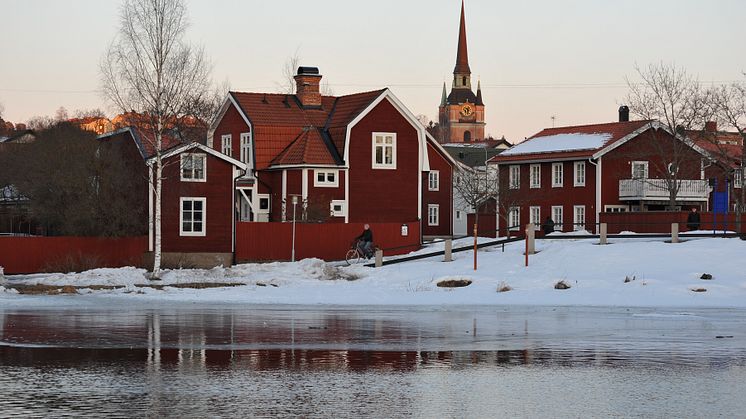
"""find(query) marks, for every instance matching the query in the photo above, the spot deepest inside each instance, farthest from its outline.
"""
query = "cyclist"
(365, 241)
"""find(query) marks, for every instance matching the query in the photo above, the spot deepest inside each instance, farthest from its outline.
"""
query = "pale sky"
(536, 59)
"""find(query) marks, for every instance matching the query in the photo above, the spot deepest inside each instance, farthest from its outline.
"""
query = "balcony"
(655, 190)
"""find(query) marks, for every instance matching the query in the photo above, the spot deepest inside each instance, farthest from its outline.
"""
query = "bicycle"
(355, 255)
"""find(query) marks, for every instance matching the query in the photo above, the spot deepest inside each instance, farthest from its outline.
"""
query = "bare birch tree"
(729, 103)
(475, 187)
(150, 69)
(667, 94)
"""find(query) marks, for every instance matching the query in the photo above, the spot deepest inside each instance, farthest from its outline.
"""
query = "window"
(534, 214)
(245, 152)
(639, 170)
(433, 214)
(514, 218)
(558, 175)
(458, 215)
(737, 178)
(192, 219)
(578, 217)
(534, 176)
(579, 173)
(193, 167)
(557, 217)
(467, 136)
(338, 208)
(515, 177)
(384, 150)
(226, 145)
(615, 208)
(433, 178)
(263, 203)
(326, 178)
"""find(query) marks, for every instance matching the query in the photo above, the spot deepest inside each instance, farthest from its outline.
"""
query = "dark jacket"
(367, 236)
(692, 220)
(548, 226)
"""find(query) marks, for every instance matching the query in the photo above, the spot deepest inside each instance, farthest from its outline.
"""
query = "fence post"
(448, 251)
(603, 232)
(379, 258)
(531, 238)
(2, 276)
(674, 232)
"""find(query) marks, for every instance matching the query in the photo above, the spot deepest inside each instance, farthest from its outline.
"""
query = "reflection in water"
(354, 363)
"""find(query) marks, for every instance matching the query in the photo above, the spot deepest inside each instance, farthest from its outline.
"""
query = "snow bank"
(664, 275)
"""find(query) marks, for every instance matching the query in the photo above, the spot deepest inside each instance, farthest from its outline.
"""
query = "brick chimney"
(711, 126)
(307, 82)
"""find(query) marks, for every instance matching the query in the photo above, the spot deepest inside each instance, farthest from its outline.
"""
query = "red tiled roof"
(724, 146)
(613, 131)
(145, 140)
(308, 148)
(279, 121)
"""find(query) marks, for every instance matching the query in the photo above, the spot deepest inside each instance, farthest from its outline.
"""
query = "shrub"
(562, 285)
(504, 287)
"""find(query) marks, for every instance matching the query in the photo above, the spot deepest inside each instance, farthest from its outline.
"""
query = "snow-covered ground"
(659, 273)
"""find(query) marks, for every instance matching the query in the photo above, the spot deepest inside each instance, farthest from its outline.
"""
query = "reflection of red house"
(356, 158)
(572, 174)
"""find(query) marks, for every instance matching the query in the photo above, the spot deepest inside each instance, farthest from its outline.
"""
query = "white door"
(459, 222)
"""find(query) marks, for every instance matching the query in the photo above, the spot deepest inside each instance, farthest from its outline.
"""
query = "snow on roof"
(560, 142)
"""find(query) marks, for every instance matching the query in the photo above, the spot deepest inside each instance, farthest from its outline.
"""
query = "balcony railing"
(655, 189)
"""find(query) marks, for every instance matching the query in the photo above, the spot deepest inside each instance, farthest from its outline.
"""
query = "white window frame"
(433, 180)
(534, 216)
(514, 176)
(558, 175)
(226, 144)
(738, 178)
(558, 212)
(578, 224)
(258, 206)
(245, 148)
(534, 176)
(579, 173)
(433, 214)
(644, 165)
(375, 145)
(342, 212)
(514, 218)
(201, 233)
(182, 168)
(616, 208)
(326, 183)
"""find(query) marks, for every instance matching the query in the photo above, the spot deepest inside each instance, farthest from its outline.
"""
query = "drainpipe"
(241, 174)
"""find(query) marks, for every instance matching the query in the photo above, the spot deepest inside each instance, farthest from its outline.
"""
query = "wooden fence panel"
(660, 221)
(327, 241)
(39, 254)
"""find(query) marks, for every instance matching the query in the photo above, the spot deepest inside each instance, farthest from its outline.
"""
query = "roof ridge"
(599, 124)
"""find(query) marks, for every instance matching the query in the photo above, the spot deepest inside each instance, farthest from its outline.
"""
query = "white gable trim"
(208, 150)
(230, 100)
(424, 162)
(440, 148)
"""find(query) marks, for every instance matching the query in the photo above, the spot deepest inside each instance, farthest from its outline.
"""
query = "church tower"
(461, 113)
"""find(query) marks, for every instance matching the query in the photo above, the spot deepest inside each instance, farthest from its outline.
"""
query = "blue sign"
(720, 202)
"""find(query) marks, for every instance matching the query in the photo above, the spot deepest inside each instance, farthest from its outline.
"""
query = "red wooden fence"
(660, 221)
(40, 254)
(328, 241)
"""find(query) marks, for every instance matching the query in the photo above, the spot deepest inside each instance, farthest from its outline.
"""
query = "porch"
(656, 190)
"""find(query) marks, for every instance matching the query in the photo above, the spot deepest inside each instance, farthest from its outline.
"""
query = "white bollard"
(2, 276)
(379, 258)
(531, 237)
(603, 233)
(674, 232)
(448, 256)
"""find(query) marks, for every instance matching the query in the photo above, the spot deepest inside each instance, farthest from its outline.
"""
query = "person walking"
(548, 226)
(693, 220)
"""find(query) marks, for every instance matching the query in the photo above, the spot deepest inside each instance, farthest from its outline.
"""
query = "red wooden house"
(572, 174)
(342, 159)
(197, 200)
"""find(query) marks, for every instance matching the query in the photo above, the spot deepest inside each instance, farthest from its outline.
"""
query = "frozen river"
(234, 361)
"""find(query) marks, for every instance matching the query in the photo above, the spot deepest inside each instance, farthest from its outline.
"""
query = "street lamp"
(295, 202)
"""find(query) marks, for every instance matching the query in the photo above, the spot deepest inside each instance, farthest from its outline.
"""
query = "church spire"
(443, 97)
(462, 56)
(479, 93)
